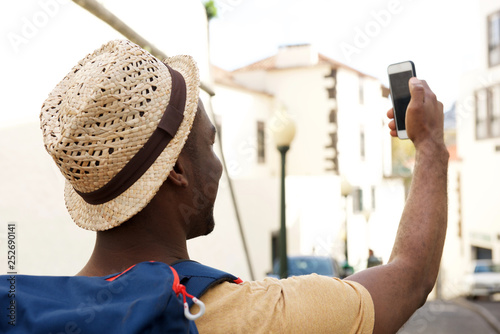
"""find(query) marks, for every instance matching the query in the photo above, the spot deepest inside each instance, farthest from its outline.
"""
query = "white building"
(478, 121)
(474, 179)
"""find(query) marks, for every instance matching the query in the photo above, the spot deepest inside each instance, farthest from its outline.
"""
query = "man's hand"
(424, 116)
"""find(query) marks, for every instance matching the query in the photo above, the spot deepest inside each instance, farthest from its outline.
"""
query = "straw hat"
(115, 126)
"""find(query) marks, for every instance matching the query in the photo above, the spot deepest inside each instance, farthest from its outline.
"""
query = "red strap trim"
(176, 286)
(179, 288)
(111, 279)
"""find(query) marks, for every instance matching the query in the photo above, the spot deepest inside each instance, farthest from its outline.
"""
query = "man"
(135, 145)
(372, 259)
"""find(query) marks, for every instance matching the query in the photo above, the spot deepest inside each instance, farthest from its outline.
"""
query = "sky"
(42, 39)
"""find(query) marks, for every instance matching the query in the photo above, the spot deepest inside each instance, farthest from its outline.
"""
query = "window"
(494, 105)
(373, 198)
(481, 114)
(479, 253)
(488, 112)
(361, 90)
(494, 39)
(261, 143)
(362, 143)
(357, 200)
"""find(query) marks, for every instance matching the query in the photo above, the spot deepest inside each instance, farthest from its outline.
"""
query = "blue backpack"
(150, 297)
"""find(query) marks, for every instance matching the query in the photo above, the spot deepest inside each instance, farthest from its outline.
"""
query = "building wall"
(303, 91)
(455, 262)
(238, 111)
(480, 180)
(474, 213)
(356, 117)
(31, 195)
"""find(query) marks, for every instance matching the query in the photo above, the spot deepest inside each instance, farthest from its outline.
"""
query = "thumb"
(417, 92)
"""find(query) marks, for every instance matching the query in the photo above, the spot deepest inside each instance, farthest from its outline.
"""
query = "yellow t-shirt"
(300, 304)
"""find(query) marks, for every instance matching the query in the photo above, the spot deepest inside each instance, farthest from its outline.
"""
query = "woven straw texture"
(99, 116)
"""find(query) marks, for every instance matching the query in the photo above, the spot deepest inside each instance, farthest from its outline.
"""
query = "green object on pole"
(347, 268)
(282, 243)
(345, 241)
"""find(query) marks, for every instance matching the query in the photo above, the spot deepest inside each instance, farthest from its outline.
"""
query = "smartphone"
(399, 75)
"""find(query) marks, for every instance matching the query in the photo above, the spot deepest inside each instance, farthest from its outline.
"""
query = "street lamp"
(346, 190)
(283, 129)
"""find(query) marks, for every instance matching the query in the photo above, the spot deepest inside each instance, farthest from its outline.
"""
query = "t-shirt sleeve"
(301, 304)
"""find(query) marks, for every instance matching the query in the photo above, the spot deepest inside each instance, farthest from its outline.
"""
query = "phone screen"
(400, 95)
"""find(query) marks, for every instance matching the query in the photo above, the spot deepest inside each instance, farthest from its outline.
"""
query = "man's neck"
(121, 247)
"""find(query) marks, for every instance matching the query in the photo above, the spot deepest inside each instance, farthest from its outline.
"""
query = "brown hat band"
(146, 156)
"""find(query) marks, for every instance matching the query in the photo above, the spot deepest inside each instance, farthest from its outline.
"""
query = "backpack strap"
(198, 278)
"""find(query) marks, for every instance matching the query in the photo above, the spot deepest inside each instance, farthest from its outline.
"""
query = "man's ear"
(178, 174)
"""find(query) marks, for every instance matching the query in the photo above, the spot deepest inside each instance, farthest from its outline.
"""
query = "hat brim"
(114, 212)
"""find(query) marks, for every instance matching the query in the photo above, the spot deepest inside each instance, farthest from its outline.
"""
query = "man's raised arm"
(401, 286)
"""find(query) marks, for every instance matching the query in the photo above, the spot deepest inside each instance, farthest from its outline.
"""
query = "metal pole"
(345, 241)
(348, 270)
(283, 251)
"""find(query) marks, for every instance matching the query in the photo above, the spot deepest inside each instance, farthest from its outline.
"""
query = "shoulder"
(309, 303)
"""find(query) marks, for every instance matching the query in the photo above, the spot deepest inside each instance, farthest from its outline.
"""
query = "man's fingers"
(392, 127)
(392, 123)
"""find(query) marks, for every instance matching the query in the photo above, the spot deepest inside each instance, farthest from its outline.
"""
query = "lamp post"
(367, 214)
(283, 129)
(345, 190)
